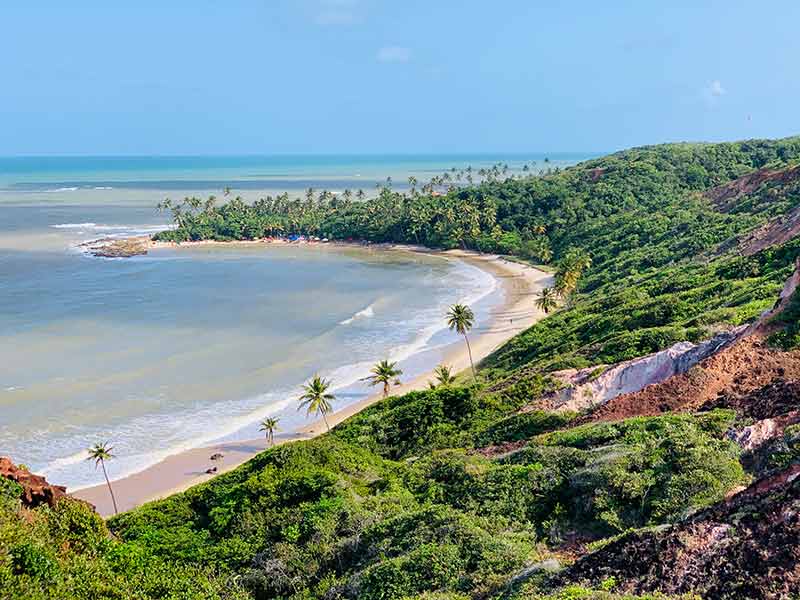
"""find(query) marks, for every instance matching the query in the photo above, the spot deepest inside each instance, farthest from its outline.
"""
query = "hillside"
(641, 441)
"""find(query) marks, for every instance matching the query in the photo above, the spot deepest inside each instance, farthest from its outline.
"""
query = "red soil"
(35, 489)
(724, 196)
(738, 370)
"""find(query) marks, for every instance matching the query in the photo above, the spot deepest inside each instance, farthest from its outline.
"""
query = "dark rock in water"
(211, 471)
(118, 248)
(35, 489)
(217, 456)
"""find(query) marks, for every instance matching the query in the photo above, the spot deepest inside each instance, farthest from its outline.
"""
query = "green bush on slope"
(67, 552)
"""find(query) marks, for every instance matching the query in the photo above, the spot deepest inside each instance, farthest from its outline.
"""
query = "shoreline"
(178, 472)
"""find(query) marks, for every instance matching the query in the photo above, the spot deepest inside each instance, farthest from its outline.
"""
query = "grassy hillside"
(420, 496)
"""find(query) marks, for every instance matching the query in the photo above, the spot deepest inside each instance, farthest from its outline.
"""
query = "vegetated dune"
(745, 547)
(768, 186)
(725, 196)
(741, 366)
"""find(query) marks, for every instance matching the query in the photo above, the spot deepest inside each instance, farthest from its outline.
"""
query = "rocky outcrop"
(773, 233)
(118, 247)
(744, 547)
(789, 289)
(756, 435)
(724, 197)
(777, 398)
(737, 370)
(595, 386)
(35, 489)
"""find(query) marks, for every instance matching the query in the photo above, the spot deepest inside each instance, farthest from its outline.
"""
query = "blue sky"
(370, 76)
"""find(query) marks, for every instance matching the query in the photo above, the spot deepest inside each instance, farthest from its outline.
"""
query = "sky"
(369, 76)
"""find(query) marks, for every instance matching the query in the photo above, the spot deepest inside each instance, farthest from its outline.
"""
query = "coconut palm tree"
(100, 453)
(444, 375)
(461, 318)
(269, 426)
(317, 399)
(383, 373)
(546, 300)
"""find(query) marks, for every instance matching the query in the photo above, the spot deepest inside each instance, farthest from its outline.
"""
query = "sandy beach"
(518, 283)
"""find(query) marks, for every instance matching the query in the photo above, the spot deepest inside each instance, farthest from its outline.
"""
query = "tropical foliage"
(383, 374)
(460, 319)
(316, 398)
(269, 426)
(456, 491)
(100, 453)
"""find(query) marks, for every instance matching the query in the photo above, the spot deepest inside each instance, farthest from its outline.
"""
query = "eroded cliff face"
(724, 197)
(588, 388)
(744, 547)
(35, 489)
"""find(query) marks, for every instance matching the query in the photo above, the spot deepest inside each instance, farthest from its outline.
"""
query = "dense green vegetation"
(454, 492)
(67, 552)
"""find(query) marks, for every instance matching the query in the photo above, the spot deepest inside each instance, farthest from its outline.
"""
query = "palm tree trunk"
(108, 483)
(469, 350)
(325, 418)
(385, 389)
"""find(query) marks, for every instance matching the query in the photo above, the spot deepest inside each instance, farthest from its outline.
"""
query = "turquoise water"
(271, 173)
(181, 348)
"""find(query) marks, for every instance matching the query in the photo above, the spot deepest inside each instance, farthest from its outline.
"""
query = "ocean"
(186, 347)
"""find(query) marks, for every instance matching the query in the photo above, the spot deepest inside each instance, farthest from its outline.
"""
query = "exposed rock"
(118, 248)
(596, 173)
(217, 456)
(724, 196)
(772, 400)
(35, 489)
(594, 386)
(738, 369)
(753, 436)
(789, 289)
(745, 547)
(502, 449)
(775, 232)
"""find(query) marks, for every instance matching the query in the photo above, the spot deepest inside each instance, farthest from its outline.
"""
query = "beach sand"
(517, 312)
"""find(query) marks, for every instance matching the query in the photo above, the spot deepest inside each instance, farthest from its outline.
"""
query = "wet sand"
(519, 284)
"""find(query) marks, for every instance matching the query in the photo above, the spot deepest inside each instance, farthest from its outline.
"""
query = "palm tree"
(444, 375)
(317, 399)
(100, 453)
(269, 426)
(546, 300)
(460, 318)
(383, 373)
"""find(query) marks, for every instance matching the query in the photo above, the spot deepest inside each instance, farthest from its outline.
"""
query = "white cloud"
(394, 54)
(337, 12)
(713, 92)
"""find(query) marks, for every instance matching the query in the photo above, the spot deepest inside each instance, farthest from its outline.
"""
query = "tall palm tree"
(547, 300)
(444, 375)
(317, 399)
(383, 373)
(461, 318)
(100, 453)
(269, 426)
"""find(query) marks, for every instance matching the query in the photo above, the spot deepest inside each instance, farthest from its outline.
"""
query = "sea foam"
(365, 313)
